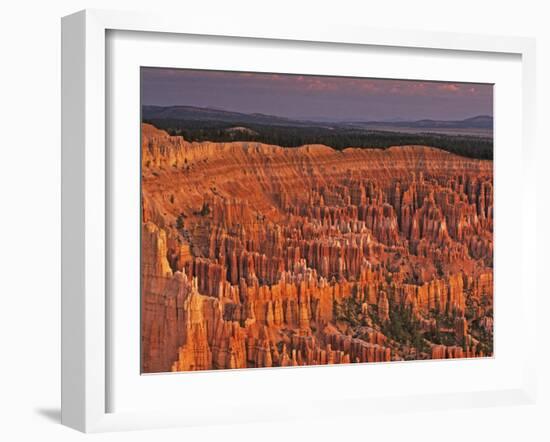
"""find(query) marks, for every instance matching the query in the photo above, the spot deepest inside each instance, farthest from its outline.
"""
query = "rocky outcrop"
(262, 256)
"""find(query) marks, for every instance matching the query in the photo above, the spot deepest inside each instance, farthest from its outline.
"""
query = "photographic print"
(301, 220)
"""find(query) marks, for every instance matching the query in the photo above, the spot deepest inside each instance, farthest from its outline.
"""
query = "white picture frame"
(85, 202)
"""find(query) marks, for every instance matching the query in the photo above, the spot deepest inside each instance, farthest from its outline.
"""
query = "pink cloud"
(449, 87)
(348, 86)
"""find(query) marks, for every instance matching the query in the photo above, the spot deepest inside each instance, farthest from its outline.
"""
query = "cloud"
(449, 87)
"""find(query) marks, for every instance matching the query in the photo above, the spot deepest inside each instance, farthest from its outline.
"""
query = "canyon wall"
(262, 256)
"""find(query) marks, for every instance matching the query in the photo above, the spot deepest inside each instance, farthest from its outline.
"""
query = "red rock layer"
(261, 256)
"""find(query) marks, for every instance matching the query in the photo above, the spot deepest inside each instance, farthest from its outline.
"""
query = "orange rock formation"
(263, 256)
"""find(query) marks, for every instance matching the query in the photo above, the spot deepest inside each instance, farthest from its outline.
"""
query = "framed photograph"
(292, 223)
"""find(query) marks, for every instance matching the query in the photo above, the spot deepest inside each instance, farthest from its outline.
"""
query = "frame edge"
(83, 344)
(73, 80)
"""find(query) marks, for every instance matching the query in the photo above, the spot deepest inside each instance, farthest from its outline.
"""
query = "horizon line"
(317, 119)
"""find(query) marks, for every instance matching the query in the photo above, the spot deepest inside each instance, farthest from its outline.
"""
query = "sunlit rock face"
(263, 256)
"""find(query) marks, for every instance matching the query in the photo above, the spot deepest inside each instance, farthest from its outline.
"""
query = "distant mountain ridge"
(478, 122)
(194, 113)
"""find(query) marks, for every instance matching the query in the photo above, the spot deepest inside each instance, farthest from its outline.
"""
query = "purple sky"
(316, 97)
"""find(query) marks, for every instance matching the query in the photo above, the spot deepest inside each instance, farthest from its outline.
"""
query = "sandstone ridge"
(258, 256)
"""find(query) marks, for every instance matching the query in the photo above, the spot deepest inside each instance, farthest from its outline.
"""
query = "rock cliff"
(260, 256)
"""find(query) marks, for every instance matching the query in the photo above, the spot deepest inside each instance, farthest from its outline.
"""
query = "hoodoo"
(256, 255)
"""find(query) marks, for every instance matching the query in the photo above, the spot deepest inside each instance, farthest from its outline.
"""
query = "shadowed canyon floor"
(259, 256)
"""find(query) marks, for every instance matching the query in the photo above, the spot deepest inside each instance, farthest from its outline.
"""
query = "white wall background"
(30, 216)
